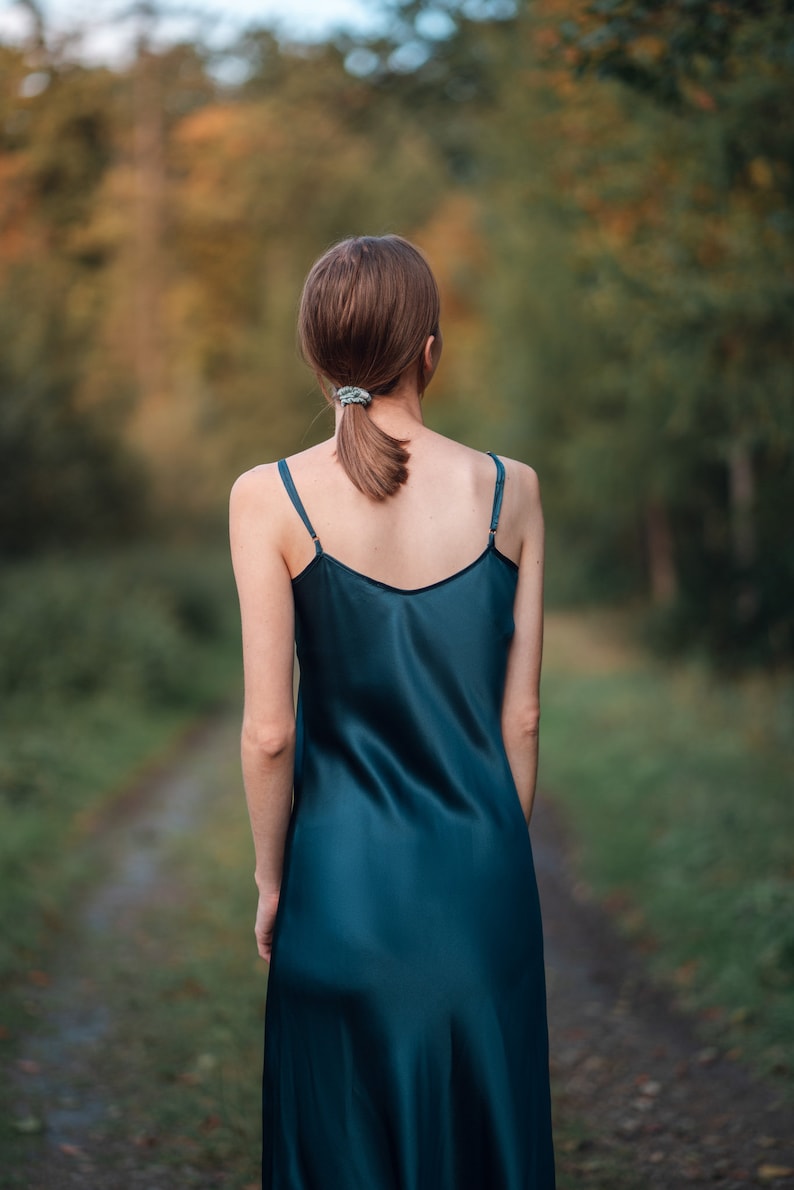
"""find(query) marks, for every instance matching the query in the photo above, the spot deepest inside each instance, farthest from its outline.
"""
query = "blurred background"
(605, 193)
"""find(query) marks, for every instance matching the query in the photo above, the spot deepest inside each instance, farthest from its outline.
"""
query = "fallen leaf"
(685, 974)
(147, 1141)
(761, 173)
(617, 901)
(768, 1173)
(741, 1016)
(703, 100)
(712, 1013)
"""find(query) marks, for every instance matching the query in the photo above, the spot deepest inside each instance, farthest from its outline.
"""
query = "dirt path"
(65, 1088)
(625, 1061)
(654, 1101)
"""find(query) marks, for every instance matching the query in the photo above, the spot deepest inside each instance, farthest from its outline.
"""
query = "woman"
(405, 1027)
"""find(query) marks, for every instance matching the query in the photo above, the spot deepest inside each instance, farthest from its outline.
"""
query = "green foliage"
(64, 476)
(102, 661)
(659, 46)
(131, 626)
(679, 787)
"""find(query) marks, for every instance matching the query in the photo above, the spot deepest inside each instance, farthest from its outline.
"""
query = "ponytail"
(374, 461)
(367, 309)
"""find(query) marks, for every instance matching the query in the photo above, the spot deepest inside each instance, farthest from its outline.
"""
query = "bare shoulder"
(521, 523)
(520, 472)
(523, 481)
(254, 487)
(256, 509)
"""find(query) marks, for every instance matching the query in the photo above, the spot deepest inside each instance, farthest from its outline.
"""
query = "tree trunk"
(150, 179)
(741, 488)
(661, 558)
(741, 481)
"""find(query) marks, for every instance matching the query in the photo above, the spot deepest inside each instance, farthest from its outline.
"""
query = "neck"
(398, 414)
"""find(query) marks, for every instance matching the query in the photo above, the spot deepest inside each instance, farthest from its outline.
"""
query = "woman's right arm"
(268, 735)
(521, 704)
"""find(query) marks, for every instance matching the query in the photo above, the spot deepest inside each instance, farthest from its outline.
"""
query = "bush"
(135, 625)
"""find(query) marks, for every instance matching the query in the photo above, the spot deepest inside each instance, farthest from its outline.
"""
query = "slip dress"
(406, 1043)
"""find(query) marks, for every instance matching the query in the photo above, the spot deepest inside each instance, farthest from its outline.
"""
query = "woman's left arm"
(268, 734)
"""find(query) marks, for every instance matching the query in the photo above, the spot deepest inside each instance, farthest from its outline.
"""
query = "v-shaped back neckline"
(322, 555)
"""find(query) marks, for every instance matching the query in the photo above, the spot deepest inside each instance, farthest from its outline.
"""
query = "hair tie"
(350, 395)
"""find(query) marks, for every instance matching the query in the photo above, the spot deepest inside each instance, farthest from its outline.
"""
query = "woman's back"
(436, 525)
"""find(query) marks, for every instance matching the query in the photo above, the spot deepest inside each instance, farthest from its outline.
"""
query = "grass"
(178, 1072)
(583, 1161)
(103, 663)
(678, 788)
(80, 757)
(197, 1016)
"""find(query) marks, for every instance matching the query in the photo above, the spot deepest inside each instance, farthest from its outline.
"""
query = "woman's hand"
(265, 919)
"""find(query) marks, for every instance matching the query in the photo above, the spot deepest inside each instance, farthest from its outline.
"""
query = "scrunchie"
(350, 395)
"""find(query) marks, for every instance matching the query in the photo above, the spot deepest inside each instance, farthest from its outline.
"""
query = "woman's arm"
(521, 705)
(268, 735)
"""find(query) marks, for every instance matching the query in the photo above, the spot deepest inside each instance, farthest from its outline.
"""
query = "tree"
(64, 475)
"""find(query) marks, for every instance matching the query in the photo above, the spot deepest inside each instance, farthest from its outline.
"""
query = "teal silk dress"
(405, 1026)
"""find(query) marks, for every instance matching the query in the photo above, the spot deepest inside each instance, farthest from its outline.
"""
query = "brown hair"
(367, 309)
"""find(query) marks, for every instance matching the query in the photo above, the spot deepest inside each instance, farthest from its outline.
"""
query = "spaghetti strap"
(497, 496)
(292, 492)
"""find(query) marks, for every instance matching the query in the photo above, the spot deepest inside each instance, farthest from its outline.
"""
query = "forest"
(604, 189)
